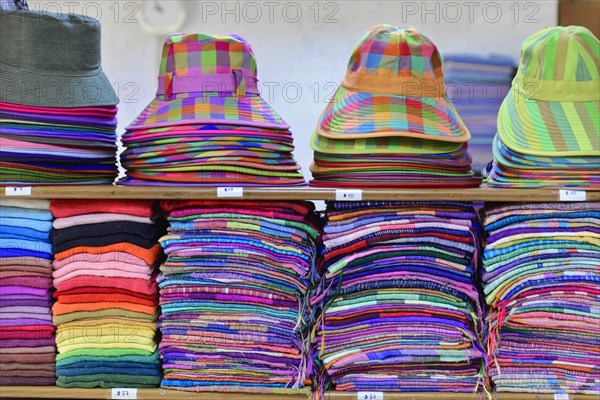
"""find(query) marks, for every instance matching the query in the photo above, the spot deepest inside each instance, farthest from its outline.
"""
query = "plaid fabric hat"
(382, 145)
(394, 86)
(553, 108)
(207, 79)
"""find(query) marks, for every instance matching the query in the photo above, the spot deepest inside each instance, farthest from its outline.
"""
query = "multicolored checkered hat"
(382, 145)
(394, 86)
(553, 108)
(207, 79)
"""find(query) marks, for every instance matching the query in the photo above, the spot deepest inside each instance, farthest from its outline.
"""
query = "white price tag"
(572, 195)
(124, 393)
(561, 396)
(18, 191)
(370, 395)
(230, 192)
(348, 195)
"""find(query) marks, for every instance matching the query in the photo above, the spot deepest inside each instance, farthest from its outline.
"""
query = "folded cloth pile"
(26, 332)
(106, 254)
(57, 114)
(549, 123)
(208, 124)
(477, 85)
(233, 294)
(542, 282)
(400, 309)
(390, 123)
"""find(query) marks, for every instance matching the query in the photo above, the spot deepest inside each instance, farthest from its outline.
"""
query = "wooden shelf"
(52, 392)
(297, 193)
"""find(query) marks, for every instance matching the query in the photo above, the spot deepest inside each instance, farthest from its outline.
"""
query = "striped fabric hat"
(207, 79)
(394, 86)
(553, 108)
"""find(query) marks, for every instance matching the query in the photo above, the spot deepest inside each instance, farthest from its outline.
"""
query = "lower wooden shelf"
(52, 392)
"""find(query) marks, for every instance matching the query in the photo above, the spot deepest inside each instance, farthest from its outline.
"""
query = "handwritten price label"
(348, 195)
(118, 393)
(572, 195)
(370, 395)
(561, 396)
(230, 192)
(18, 191)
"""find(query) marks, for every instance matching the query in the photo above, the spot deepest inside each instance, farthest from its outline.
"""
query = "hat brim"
(53, 90)
(549, 128)
(382, 145)
(356, 115)
(251, 110)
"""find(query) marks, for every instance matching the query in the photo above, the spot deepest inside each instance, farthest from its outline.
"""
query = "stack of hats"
(400, 310)
(542, 282)
(390, 123)
(549, 123)
(477, 85)
(106, 310)
(208, 124)
(57, 108)
(233, 295)
(26, 330)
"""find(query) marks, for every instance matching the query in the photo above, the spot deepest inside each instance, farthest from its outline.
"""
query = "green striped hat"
(553, 108)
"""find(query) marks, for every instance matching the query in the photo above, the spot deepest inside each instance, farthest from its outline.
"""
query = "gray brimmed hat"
(52, 60)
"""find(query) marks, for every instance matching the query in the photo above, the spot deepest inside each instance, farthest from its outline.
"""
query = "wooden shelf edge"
(52, 392)
(482, 193)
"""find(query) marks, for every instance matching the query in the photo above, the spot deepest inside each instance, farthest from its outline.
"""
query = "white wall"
(308, 51)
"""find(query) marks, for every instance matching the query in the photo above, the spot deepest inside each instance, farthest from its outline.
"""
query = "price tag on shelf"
(230, 191)
(572, 195)
(124, 393)
(348, 195)
(561, 396)
(18, 191)
(370, 395)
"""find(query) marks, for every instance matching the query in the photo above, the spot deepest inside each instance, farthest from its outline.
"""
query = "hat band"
(394, 85)
(547, 90)
(174, 84)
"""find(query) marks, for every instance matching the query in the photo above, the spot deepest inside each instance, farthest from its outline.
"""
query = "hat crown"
(387, 50)
(569, 54)
(202, 54)
(48, 42)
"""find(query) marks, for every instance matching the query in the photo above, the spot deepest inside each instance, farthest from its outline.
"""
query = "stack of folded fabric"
(542, 282)
(106, 310)
(390, 124)
(477, 85)
(208, 124)
(549, 123)
(26, 332)
(400, 310)
(57, 114)
(233, 294)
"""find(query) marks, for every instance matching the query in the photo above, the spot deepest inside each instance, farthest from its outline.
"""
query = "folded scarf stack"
(477, 85)
(26, 332)
(47, 145)
(233, 294)
(542, 282)
(400, 310)
(106, 254)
